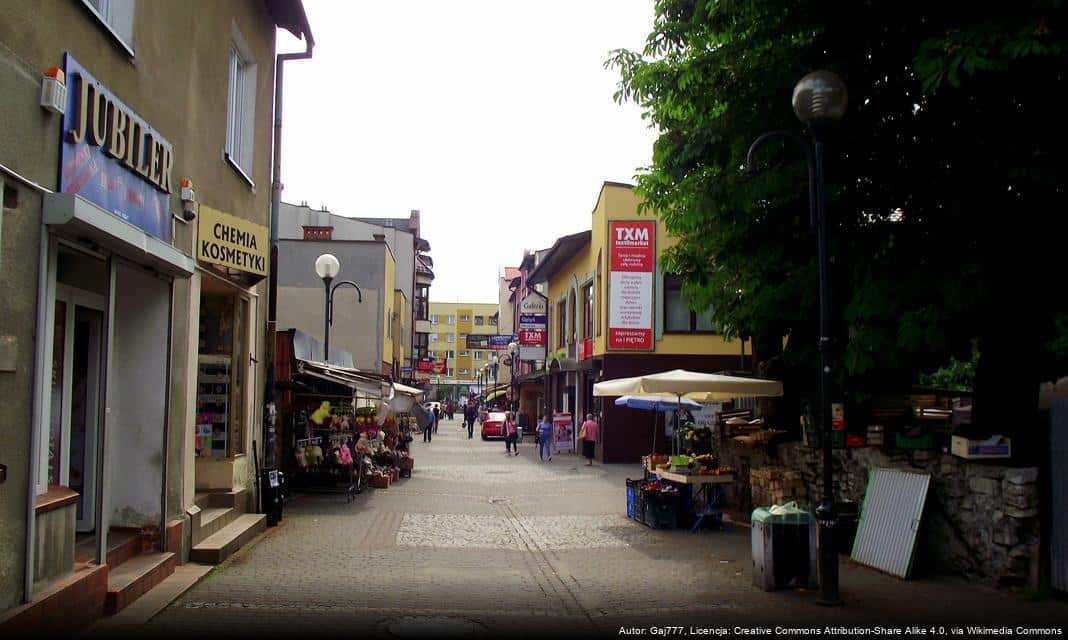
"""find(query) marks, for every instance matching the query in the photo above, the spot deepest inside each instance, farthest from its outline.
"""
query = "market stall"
(665, 495)
(342, 428)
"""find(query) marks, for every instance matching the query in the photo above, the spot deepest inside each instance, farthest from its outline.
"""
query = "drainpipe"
(276, 204)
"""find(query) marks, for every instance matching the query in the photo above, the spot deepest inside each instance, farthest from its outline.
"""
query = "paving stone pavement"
(479, 544)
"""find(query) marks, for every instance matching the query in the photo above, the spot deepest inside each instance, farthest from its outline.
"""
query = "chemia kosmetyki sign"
(111, 157)
(232, 242)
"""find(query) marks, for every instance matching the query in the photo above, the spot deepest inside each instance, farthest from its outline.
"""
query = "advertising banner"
(632, 259)
(492, 342)
(563, 432)
(500, 342)
(424, 365)
(528, 352)
(111, 157)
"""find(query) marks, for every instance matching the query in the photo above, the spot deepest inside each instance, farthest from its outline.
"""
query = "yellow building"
(643, 326)
(457, 364)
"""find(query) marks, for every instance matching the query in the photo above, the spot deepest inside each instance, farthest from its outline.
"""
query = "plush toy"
(363, 444)
(302, 459)
(344, 455)
(322, 413)
(317, 454)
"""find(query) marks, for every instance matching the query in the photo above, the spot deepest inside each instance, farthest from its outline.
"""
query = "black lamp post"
(327, 267)
(819, 100)
(494, 363)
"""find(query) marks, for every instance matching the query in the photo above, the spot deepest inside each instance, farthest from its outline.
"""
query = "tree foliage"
(944, 198)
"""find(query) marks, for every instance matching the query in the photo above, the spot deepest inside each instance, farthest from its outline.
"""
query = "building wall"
(388, 282)
(177, 81)
(443, 329)
(358, 327)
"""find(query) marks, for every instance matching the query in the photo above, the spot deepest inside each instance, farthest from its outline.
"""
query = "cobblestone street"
(477, 542)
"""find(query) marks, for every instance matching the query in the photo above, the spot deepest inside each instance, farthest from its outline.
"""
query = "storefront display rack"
(213, 405)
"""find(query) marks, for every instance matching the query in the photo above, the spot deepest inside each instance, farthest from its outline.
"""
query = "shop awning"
(405, 389)
(492, 395)
(359, 381)
(81, 218)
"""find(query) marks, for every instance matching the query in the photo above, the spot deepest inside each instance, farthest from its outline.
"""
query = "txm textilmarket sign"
(232, 242)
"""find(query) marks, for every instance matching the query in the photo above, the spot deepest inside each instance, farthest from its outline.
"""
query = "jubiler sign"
(232, 242)
(111, 157)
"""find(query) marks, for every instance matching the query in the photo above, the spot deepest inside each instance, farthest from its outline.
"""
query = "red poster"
(531, 338)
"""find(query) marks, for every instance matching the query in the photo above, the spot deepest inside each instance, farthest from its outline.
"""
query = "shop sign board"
(529, 352)
(563, 432)
(632, 259)
(492, 342)
(533, 303)
(111, 157)
(232, 242)
(424, 365)
(533, 321)
(530, 337)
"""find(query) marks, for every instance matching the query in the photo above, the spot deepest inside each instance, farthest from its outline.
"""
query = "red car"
(493, 425)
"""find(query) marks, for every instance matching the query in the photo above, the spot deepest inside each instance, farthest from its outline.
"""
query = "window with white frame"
(434, 337)
(478, 355)
(463, 338)
(450, 337)
(240, 106)
(433, 318)
(464, 354)
(480, 321)
(463, 371)
(118, 18)
(465, 318)
(493, 321)
(450, 354)
(450, 319)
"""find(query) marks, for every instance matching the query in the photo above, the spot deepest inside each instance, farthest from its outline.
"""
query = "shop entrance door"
(80, 314)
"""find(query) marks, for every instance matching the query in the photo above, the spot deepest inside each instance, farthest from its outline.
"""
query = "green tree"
(945, 198)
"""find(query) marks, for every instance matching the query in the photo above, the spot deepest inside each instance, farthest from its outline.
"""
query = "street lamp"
(493, 367)
(819, 100)
(513, 362)
(327, 267)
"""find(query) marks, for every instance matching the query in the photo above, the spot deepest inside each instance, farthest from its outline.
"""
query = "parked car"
(493, 425)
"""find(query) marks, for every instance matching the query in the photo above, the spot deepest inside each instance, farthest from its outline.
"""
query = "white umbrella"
(703, 387)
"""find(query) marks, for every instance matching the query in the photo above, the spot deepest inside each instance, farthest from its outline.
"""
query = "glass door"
(76, 397)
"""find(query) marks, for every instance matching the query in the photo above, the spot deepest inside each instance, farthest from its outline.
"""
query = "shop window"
(240, 107)
(480, 321)
(561, 323)
(678, 318)
(117, 17)
(221, 376)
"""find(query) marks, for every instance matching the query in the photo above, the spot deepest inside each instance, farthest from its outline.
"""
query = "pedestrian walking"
(588, 436)
(510, 434)
(545, 437)
(449, 409)
(428, 430)
(470, 415)
(437, 417)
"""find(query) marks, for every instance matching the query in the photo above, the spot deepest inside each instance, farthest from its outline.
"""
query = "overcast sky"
(494, 118)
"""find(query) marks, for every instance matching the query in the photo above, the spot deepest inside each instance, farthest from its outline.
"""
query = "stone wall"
(980, 520)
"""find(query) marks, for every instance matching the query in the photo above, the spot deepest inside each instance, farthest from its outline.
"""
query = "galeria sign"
(111, 157)
(232, 242)
(632, 258)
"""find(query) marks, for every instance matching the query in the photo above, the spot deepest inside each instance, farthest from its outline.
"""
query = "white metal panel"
(890, 520)
(1059, 495)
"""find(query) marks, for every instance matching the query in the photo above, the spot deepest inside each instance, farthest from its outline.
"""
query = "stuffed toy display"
(322, 413)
